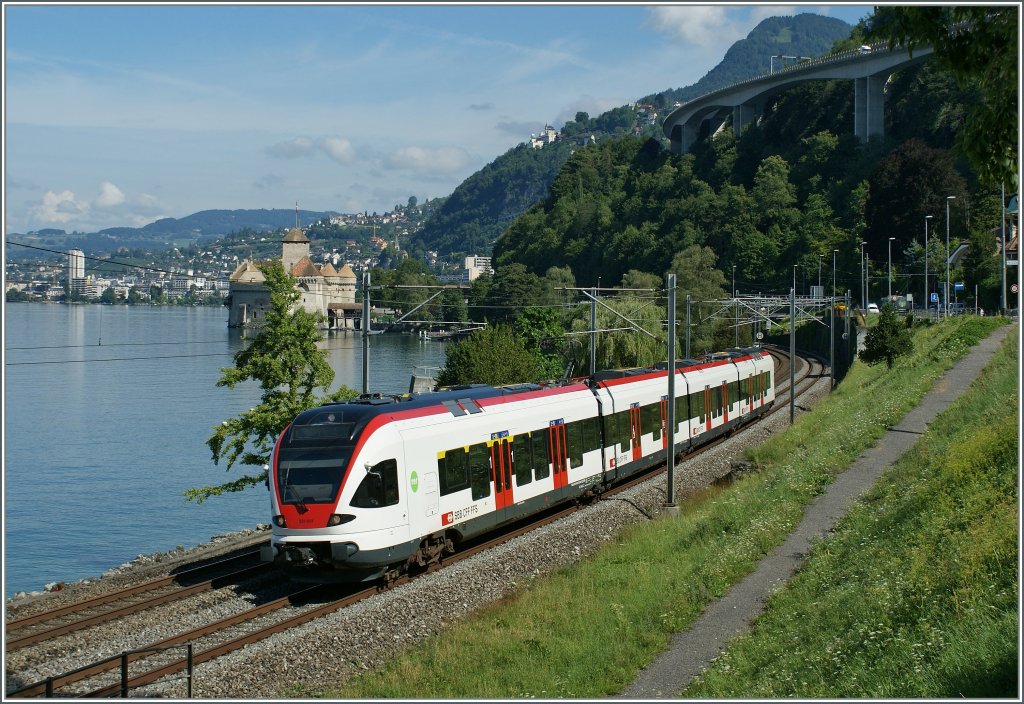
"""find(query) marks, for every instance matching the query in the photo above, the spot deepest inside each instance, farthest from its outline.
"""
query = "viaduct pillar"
(868, 106)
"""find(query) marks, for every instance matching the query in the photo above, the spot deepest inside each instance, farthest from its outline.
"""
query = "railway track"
(271, 616)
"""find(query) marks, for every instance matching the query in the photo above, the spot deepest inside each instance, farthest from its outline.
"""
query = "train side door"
(725, 401)
(558, 455)
(707, 407)
(501, 472)
(634, 430)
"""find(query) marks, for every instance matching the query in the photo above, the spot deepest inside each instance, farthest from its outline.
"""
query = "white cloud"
(338, 148)
(59, 207)
(703, 25)
(111, 208)
(440, 160)
(109, 197)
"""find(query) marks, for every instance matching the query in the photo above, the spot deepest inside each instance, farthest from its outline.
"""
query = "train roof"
(344, 420)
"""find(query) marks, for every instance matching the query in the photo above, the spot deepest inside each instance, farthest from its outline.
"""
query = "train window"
(716, 401)
(610, 429)
(522, 460)
(697, 405)
(541, 467)
(622, 427)
(734, 392)
(379, 487)
(767, 380)
(651, 420)
(452, 470)
(591, 434)
(574, 441)
(744, 390)
(480, 471)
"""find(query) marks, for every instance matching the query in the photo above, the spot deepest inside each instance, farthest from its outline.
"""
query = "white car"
(872, 307)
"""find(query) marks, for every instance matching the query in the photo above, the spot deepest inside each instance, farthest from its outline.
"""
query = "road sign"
(935, 297)
(760, 335)
(1013, 288)
(958, 286)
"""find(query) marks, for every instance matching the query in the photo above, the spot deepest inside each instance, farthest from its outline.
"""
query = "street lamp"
(890, 267)
(832, 326)
(926, 219)
(834, 253)
(948, 198)
(736, 311)
(863, 285)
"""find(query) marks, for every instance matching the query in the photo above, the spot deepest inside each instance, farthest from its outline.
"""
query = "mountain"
(803, 35)
(481, 207)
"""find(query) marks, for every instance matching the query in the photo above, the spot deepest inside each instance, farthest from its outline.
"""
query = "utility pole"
(832, 327)
(366, 332)
(926, 219)
(948, 198)
(593, 331)
(688, 326)
(670, 412)
(792, 350)
(1002, 248)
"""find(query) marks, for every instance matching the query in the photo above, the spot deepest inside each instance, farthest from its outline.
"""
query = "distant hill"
(215, 223)
(481, 207)
(168, 232)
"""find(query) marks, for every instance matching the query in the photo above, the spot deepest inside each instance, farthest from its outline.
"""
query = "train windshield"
(311, 476)
(313, 456)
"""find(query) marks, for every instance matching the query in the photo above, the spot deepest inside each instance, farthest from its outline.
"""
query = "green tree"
(493, 355)
(108, 295)
(283, 358)
(696, 275)
(14, 295)
(544, 336)
(887, 340)
(978, 45)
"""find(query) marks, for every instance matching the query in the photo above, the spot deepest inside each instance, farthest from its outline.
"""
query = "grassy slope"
(653, 581)
(916, 593)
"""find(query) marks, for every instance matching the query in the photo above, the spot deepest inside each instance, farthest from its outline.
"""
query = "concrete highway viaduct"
(868, 67)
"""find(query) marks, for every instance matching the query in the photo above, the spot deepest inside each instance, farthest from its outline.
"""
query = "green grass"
(586, 630)
(916, 593)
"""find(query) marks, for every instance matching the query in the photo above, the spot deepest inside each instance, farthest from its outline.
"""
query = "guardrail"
(47, 685)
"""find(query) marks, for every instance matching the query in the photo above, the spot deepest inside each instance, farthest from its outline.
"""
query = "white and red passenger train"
(371, 487)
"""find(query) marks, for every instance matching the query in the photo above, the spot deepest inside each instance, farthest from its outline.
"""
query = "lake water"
(106, 414)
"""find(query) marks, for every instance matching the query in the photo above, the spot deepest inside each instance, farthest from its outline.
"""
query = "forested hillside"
(786, 193)
(481, 208)
(483, 205)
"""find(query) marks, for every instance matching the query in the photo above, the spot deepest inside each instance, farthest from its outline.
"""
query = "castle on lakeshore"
(324, 289)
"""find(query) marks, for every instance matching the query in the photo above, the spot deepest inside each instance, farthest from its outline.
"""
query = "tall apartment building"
(76, 264)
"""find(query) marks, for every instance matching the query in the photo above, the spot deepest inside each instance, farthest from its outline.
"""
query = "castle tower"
(294, 247)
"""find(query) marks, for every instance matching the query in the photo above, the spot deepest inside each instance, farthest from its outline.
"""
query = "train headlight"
(279, 522)
(337, 519)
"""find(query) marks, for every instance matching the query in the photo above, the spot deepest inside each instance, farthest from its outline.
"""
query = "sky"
(118, 115)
